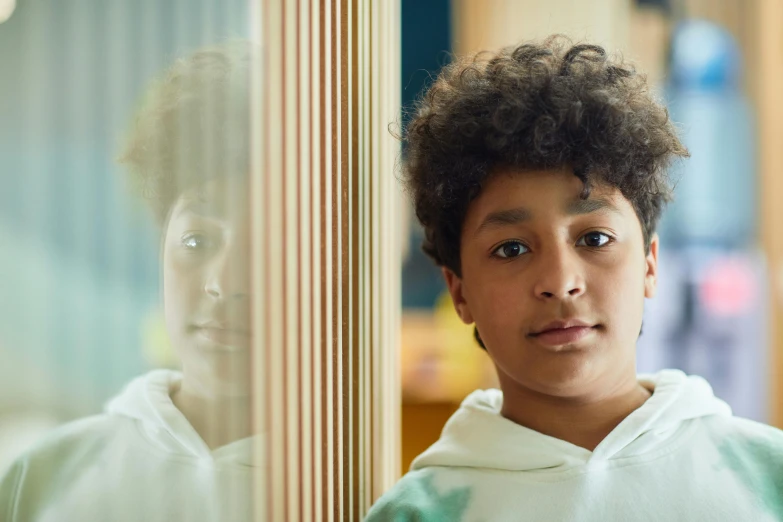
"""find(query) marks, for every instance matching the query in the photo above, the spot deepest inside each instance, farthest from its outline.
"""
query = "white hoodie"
(680, 457)
(141, 460)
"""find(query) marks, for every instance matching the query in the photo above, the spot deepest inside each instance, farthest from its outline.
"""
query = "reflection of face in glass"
(206, 287)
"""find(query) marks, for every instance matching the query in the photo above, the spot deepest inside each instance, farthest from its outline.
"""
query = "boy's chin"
(570, 375)
(230, 388)
(221, 379)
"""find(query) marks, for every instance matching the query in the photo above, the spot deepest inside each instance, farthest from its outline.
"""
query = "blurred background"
(713, 313)
(79, 291)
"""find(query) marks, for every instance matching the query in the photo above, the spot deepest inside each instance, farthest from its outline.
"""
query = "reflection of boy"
(538, 175)
(173, 445)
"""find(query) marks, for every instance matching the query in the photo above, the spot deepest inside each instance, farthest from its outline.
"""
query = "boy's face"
(554, 283)
(206, 286)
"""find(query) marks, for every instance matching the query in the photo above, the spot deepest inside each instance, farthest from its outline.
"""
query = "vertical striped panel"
(263, 489)
(770, 81)
(389, 239)
(326, 256)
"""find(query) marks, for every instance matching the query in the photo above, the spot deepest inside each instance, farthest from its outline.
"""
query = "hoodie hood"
(478, 436)
(147, 401)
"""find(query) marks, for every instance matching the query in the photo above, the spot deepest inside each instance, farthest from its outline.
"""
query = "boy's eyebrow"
(587, 206)
(204, 207)
(511, 216)
(518, 215)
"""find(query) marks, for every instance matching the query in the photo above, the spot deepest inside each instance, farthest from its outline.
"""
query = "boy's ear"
(651, 273)
(454, 283)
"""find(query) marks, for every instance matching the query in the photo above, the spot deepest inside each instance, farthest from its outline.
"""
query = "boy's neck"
(219, 420)
(582, 421)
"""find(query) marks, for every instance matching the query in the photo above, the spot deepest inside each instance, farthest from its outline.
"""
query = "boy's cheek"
(621, 299)
(500, 308)
(181, 299)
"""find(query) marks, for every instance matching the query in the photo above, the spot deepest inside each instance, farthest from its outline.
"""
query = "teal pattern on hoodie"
(758, 464)
(415, 498)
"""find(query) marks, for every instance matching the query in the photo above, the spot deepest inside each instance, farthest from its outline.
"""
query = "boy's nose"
(559, 277)
(227, 278)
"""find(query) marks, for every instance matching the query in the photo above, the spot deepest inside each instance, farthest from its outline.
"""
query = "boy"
(538, 174)
(173, 445)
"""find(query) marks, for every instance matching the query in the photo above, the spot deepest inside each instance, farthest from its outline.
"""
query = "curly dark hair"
(539, 105)
(193, 124)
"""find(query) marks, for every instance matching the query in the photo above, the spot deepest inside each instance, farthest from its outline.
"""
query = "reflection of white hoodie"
(680, 457)
(141, 460)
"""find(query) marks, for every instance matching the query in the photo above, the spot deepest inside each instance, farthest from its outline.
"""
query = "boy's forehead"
(215, 198)
(515, 196)
(534, 185)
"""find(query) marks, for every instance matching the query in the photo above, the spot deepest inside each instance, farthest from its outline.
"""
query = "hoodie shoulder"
(752, 447)
(10, 483)
(744, 443)
(753, 452)
(417, 497)
(746, 432)
(86, 432)
(53, 461)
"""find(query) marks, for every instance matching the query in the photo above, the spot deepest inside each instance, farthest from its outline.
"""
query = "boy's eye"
(196, 241)
(510, 249)
(594, 239)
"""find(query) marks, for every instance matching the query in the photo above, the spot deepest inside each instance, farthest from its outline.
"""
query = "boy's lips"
(558, 333)
(222, 334)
